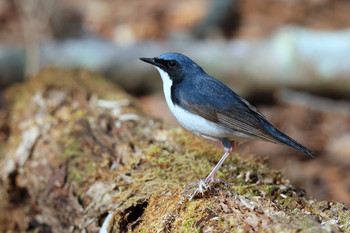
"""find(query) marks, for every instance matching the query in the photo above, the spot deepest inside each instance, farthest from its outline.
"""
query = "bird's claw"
(201, 187)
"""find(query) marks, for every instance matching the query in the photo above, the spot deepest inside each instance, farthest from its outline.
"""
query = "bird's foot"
(201, 187)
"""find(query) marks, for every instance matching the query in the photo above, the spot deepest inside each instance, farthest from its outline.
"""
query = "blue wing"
(216, 102)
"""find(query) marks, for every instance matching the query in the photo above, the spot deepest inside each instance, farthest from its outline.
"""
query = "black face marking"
(167, 65)
(173, 96)
(160, 62)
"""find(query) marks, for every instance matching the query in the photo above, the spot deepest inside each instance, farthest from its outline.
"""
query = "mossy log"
(82, 157)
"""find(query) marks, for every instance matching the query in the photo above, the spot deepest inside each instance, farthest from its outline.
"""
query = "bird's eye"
(172, 63)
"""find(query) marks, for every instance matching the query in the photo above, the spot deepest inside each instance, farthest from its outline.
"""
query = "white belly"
(197, 124)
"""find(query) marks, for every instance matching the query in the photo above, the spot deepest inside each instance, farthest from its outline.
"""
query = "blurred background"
(290, 58)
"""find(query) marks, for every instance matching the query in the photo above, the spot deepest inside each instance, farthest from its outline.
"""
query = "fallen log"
(82, 157)
(292, 57)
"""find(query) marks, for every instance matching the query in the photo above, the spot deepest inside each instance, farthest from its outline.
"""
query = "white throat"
(167, 83)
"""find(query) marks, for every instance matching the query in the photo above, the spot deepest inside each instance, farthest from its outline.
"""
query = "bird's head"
(176, 65)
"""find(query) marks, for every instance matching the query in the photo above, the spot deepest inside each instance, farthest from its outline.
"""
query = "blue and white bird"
(210, 109)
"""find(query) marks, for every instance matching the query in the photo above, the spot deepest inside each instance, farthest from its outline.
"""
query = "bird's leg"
(211, 177)
(202, 184)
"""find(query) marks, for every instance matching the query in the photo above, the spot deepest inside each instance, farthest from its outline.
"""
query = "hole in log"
(102, 218)
(17, 195)
(132, 216)
(35, 226)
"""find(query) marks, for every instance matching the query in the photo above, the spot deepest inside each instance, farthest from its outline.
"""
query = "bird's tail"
(285, 139)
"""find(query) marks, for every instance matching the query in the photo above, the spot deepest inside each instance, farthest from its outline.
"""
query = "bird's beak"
(154, 61)
(149, 60)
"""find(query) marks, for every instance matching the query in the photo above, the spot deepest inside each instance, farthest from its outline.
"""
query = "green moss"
(333, 211)
(344, 221)
(167, 167)
(91, 166)
(75, 175)
(231, 221)
(153, 150)
(188, 225)
(267, 189)
(82, 82)
(285, 201)
(195, 210)
(253, 189)
(81, 166)
(72, 147)
(80, 114)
